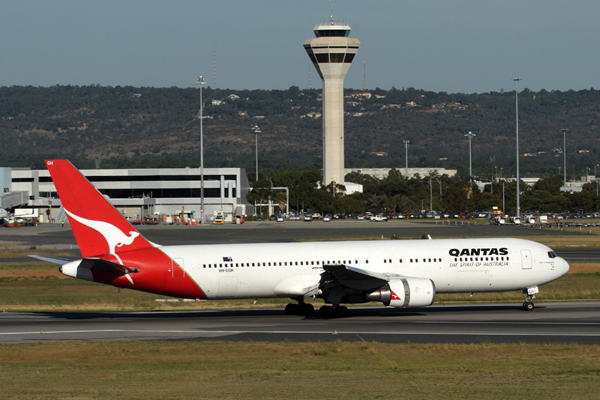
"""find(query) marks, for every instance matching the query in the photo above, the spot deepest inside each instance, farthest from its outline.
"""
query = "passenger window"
(430, 260)
(384, 261)
(400, 261)
(204, 265)
(506, 258)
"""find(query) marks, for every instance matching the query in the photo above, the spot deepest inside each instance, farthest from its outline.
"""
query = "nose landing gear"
(528, 305)
(530, 291)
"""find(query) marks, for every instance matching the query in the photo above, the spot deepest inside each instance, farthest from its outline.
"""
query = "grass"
(289, 370)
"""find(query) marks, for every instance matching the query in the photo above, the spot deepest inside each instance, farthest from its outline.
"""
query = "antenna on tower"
(331, 17)
(364, 75)
(214, 68)
(309, 82)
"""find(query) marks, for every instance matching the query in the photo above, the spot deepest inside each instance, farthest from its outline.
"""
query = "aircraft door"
(177, 271)
(526, 259)
(367, 263)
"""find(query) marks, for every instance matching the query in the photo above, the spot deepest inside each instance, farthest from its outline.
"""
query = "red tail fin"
(99, 228)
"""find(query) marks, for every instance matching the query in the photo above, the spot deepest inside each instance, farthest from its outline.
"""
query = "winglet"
(98, 226)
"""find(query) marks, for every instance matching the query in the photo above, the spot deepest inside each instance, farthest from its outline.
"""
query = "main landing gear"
(333, 312)
(301, 308)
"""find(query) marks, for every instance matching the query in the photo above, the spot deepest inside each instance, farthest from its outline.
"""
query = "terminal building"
(137, 193)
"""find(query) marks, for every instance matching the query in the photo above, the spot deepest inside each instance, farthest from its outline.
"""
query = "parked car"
(379, 218)
(280, 219)
(308, 218)
(327, 218)
(219, 220)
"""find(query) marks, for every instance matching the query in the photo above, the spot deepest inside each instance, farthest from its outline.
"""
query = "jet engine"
(405, 292)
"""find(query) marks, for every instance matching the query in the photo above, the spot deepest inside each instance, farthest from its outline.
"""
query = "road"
(498, 323)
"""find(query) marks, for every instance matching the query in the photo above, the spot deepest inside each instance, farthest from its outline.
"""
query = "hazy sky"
(455, 46)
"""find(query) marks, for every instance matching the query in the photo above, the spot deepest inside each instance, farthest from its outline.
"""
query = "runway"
(497, 323)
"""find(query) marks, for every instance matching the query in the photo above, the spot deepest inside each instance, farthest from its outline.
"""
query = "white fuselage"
(291, 269)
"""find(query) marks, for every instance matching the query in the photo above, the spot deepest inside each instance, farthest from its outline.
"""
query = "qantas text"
(478, 252)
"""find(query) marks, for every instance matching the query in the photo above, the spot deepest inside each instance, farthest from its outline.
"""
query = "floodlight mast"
(256, 130)
(470, 135)
(564, 131)
(517, 135)
(201, 82)
(406, 143)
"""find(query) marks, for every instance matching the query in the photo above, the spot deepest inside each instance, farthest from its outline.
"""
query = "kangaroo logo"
(113, 235)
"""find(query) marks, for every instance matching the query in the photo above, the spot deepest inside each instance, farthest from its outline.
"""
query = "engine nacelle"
(406, 292)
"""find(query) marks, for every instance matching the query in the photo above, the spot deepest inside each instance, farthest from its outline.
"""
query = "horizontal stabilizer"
(54, 260)
(100, 264)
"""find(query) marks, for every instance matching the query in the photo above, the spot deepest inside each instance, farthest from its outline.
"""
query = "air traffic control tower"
(332, 52)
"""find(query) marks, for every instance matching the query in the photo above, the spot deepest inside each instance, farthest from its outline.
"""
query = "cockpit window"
(552, 254)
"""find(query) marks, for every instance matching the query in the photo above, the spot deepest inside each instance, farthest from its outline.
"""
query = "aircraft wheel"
(326, 311)
(306, 309)
(342, 311)
(292, 309)
(528, 306)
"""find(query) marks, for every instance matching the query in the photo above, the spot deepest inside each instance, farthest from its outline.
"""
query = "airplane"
(405, 273)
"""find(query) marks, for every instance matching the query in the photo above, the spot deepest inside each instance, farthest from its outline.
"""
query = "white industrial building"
(149, 192)
(382, 173)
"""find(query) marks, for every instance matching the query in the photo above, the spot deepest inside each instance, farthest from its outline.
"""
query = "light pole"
(470, 136)
(517, 120)
(256, 130)
(430, 196)
(406, 143)
(596, 179)
(201, 82)
(564, 131)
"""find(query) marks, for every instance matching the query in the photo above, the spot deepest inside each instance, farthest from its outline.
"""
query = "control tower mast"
(332, 52)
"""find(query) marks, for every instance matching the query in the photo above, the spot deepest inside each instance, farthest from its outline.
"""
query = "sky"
(454, 46)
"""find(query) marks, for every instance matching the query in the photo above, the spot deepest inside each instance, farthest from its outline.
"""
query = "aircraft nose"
(565, 266)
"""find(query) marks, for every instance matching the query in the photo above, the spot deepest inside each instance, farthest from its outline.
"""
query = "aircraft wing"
(352, 277)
